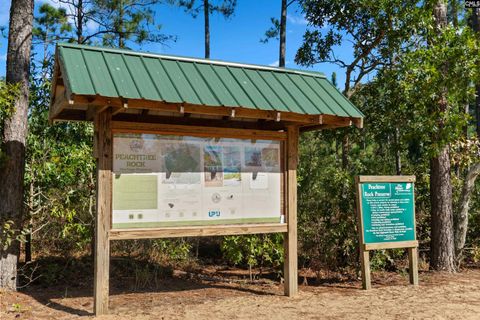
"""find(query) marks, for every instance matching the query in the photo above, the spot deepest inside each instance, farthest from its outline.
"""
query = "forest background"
(412, 67)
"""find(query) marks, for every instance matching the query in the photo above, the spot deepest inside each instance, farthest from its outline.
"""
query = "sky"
(236, 39)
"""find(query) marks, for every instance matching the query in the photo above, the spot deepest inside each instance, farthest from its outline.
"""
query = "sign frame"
(201, 230)
(105, 126)
(365, 248)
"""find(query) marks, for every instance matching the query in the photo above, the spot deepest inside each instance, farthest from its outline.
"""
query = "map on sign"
(162, 180)
(388, 212)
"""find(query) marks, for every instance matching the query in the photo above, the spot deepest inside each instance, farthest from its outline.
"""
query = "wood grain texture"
(290, 240)
(104, 208)
(175, 232)
(363, 254)
(240, 112)
(365, 263)
(413, 265)
(139, 127)
(391, 245)
(381, 179)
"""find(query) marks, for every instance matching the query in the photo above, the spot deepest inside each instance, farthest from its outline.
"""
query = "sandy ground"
(439, 296)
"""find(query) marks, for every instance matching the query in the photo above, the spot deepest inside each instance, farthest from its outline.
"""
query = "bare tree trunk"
(121, 34)
(398, 153)
(14, 134)
(79, 22)
(442, 233)
(283, 34)
(206, 13)
(345, 150)
(461, 218)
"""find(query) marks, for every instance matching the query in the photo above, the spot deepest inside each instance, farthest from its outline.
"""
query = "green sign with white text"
(388, 211)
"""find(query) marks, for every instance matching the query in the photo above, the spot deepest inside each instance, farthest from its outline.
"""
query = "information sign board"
(165, 180)
(388, 211)
(386, 219)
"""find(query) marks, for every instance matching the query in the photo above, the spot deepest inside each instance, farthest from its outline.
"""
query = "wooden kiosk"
(165, 99)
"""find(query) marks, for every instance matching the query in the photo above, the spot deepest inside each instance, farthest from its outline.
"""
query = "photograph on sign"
(388, 211)
(163, 180)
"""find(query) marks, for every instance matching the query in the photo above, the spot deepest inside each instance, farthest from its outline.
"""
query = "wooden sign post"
(386, 219)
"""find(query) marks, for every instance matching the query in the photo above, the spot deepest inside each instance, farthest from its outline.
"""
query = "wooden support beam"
(93, 110)
(200, 131)
(413, 265)
(391, 245)
(386, 179)
(103, 132)
(218, 123)
(200, 109)
(365, 262)
(59, 104)
(199, 231)
(290, 240)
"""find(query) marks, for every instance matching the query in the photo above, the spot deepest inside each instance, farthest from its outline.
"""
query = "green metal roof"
(98, 71)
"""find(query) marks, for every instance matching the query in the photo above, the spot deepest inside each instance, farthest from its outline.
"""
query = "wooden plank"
(120, 126)
(364, 255)
(391, 245)
(240, 112)
(204, 122)
(290, 240)
(104, 209)
(92, 110)
(199, 231)
(59, 104)
(413, 265)
(365, 263)
(362, 179)
(311, 122)
(224, 111)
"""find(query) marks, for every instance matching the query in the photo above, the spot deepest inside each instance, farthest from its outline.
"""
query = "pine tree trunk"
(442, 244)
(79, 22)
(283, 34)
(442, 255)
(206, 13)
(14, 134)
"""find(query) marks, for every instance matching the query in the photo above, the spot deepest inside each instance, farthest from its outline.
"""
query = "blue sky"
(236, 39)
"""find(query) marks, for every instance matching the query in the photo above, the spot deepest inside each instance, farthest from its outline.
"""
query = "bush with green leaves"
(254, 251)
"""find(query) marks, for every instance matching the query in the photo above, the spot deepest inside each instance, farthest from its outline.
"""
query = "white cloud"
(53, 3)
(274, 63)
(298, 20)
(91, 26)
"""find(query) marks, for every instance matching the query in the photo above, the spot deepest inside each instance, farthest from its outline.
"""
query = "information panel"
(164, 180)
(388, 212)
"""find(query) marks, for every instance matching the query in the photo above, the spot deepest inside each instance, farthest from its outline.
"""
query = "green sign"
(388, 212)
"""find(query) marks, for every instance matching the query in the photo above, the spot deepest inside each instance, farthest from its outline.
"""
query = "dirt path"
(439, 296)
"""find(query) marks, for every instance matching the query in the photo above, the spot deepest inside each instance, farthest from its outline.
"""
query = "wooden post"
(365, 262)
(413, 265)
(103, 143)
(290, 240)
(364, 254)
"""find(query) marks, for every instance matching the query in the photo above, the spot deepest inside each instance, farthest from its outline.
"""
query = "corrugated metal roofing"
(137, 75)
